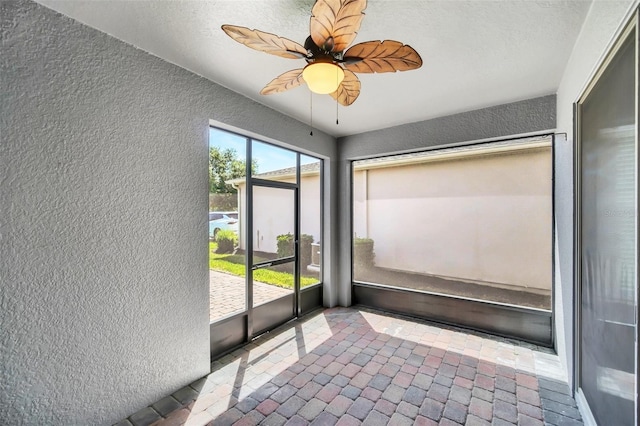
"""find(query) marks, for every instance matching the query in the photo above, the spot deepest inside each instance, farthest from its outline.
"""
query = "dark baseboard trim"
(531, 325)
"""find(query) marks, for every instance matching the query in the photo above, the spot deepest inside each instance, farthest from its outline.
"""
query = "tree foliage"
(224, 165)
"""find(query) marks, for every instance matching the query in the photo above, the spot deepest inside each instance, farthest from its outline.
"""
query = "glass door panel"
(272, 282)
(274, 226)
(608, 192)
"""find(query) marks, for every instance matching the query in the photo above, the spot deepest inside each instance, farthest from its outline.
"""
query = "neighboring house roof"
(310, 169)
(457, 152)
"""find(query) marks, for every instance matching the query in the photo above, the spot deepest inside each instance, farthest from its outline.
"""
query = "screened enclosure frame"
(240, 327)
(513, 321)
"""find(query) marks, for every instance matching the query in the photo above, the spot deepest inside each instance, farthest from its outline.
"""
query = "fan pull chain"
(338, 84)
(311, 111)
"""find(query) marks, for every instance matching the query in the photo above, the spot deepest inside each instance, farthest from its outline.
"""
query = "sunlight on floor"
(368, 365)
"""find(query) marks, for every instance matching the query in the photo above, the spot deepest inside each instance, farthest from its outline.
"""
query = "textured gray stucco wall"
(103, 234)
(510, 119)
(532, 115)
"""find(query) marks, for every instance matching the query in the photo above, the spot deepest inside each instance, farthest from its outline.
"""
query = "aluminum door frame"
(274, 312)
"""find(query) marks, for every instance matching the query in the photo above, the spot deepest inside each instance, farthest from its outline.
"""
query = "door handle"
(262, 265)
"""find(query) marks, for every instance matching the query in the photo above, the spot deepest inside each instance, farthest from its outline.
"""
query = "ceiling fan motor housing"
(320, 54)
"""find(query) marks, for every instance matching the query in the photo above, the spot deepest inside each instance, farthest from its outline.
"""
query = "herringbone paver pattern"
(350, 366)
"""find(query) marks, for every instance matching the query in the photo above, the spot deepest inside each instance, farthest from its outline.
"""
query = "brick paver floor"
(227, 294)
(351, 366)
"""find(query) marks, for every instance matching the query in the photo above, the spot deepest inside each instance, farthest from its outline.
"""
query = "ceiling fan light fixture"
(332, 64)
(323, 77)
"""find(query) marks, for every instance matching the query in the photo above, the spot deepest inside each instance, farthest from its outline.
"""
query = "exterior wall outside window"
(309, 213)
(483, 218)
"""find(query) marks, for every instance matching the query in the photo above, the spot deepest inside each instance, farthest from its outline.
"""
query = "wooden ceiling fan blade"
(283, 82)
(266, 42)
(349, 89)
(334, 24)
(381, 56)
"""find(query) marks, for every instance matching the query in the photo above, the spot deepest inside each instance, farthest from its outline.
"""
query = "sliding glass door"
(607, 239)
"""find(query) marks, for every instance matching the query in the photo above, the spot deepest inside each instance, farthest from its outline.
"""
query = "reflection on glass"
(473, 222)
(272, 162)
(608, 254)
(272, 282)
(310, 219)
(227, 172)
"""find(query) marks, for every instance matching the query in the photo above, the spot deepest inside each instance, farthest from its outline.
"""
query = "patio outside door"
(274, 220)
(607, 242)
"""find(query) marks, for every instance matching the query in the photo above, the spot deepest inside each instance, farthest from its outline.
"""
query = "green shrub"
(285, 247)
(363, 254)
(226, 240)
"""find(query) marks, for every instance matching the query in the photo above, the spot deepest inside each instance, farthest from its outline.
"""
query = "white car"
(219, 221)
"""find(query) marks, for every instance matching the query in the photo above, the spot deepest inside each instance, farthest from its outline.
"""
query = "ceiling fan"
(331, 67)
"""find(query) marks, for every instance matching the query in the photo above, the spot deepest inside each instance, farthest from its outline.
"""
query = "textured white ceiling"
(475, 53)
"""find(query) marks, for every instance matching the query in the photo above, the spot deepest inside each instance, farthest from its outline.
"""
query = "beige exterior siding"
(482, 218)
(274, 212)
